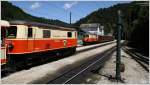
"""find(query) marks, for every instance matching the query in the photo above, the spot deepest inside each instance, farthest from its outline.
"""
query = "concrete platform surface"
(46, 72)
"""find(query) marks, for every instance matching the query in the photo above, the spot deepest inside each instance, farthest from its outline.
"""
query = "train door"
(3, 46)
(80, 37)
(30, 39)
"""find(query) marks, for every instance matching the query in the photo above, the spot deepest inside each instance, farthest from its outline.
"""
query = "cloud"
(35, 5)
(69, 5)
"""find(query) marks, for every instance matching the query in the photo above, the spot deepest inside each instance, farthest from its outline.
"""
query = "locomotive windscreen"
(11, 32)
(3, 35)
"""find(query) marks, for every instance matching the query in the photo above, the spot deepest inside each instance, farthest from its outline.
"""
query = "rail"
(77, 71)
(142, 60)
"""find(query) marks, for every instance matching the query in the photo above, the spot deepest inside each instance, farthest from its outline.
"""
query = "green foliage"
(11, 12)
(108, 16)
(135, 18)
(140, 33)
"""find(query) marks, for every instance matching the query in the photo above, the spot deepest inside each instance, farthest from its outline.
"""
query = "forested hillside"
(11, 12)
(135, 16)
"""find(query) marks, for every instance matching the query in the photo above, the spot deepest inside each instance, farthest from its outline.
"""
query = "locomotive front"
(4, 26)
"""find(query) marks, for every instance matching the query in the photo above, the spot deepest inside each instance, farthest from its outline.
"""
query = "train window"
(3, 36)
(69, 34)
(46, 33)
(75, 34)
(11, 32)
(30, 32)
(86, 35)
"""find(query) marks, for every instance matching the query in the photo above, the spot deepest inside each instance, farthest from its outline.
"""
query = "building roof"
(48, 26)
(89, 25)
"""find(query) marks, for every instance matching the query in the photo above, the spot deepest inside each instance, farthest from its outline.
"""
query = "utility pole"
(70, 18)
(118, 57)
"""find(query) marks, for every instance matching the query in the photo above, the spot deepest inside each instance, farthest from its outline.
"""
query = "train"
(21, 40)
(92, 33)
(24, 41)
(89, 38)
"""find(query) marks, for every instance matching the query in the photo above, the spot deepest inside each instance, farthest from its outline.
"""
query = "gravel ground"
(133, 74)
(43, 73)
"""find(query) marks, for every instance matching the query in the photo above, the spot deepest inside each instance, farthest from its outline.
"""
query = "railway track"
(74, 75)
(90, 47)
(142, 60)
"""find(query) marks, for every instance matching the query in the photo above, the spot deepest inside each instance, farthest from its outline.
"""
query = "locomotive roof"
(5, 23)
(48, 26)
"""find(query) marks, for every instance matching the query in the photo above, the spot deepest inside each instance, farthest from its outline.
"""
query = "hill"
(11, 12)
(135, 16)
(108, 16)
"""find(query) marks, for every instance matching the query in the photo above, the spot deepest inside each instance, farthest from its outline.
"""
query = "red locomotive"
(23, 39)
(90, 39)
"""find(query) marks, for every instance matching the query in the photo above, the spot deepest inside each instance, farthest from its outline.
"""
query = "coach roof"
(48, 26)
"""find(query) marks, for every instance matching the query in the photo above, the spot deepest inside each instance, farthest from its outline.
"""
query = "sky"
(61, 9)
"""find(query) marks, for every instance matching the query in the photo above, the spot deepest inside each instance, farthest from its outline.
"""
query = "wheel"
(74, 50)
(11, 63)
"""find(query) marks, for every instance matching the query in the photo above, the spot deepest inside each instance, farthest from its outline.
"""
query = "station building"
(93, 28)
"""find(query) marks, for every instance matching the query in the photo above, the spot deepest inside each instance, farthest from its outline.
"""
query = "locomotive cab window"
(69, 34)
(30, 32)
(46, 33)
(3, 35)
(86, 36)
(12, 32)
